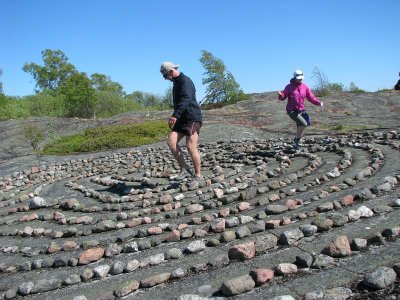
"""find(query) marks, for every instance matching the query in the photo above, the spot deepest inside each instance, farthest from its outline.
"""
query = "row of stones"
(117, 161)
(72, 232)
(218, 226)
(111, 182)
(69, 233)
(103, 164)
(28, 218)
(186, 234)
(165, 200)
(339, 247)
(20, 181)
(110, 225)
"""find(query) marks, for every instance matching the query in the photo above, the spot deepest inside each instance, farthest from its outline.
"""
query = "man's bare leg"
(191, 145)
(173, 143)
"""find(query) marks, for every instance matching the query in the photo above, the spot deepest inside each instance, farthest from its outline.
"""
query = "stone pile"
(120, 219)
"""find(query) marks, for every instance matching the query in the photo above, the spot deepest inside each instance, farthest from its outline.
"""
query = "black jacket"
(397, 86)
(186, 107)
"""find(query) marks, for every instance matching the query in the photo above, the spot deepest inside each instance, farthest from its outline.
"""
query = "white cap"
(167, 65)
(298, 74)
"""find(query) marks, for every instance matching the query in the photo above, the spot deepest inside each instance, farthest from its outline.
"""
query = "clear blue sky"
(260, 41)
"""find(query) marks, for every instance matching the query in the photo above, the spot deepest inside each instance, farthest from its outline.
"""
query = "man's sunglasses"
(165, 74)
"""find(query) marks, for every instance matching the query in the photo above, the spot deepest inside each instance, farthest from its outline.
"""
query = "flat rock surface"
(114, 223)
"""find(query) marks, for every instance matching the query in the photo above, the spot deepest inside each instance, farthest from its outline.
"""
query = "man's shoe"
(198, 178)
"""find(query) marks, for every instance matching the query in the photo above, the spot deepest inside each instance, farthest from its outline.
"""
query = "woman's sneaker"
(296, 142)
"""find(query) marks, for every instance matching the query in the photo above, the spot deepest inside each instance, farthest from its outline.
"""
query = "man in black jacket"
(397, 86)
(186, 119)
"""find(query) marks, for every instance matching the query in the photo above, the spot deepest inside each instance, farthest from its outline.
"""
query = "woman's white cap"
(298, 74)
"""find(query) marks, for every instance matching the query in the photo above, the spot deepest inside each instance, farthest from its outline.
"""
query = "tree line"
(63, 91)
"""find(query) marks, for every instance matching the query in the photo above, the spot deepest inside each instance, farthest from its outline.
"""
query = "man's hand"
(322, 105)
(171, 121)
(280, 94)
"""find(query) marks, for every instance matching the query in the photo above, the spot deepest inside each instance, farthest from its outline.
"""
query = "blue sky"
(260, 41)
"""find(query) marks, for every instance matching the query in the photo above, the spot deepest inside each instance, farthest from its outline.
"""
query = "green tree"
(221, 85)
(103, 83)
(1, 84)
(167, 98)
(53, 73)
(80, 97)
(144, 99)
(337, 87)
(353, 88)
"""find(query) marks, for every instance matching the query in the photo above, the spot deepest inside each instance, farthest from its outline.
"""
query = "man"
(397, 86)
(186, 119)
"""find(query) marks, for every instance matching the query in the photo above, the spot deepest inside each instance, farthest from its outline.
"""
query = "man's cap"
(167, 65)
(298, 74)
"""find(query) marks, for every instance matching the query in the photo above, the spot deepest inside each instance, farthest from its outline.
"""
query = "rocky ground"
(267, 220)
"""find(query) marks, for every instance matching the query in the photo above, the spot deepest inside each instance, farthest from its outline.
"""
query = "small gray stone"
(126, 288)
(237, 285)
(359, 244)
(308, 229)
(265, 242)
(195, 246)
(322, 261)
(131, 266)
(72, 279)
(232, 222)
(242, 231)
(37, 202)
(380, 278)
(178, 273)
(44, 285)
(117, 267)
(275, 209)
(228, 236)
(101, 271)
(25, 288)
(289, 237)
(304, 260)
(219, 261)
(173, 253)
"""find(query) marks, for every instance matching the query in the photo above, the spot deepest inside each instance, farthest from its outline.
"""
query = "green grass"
(341, 127)
(109, 138)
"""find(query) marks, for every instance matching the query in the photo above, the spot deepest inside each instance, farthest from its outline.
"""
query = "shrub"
(33, 134)
(44, 104)
(355, 89)
(109, 138)
(337, 87)
(322, 84)
(13, 108)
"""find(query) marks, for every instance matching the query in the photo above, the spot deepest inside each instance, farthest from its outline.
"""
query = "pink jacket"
(296, 93)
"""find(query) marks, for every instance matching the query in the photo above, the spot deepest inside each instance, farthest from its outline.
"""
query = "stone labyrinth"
(267, 220)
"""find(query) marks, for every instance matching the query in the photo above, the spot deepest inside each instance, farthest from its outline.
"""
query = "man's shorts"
(188, 128)
(296, 115)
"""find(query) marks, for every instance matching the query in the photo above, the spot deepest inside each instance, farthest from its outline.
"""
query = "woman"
(296, 91)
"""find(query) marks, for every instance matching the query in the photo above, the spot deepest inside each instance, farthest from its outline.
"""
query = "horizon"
(261, 42)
